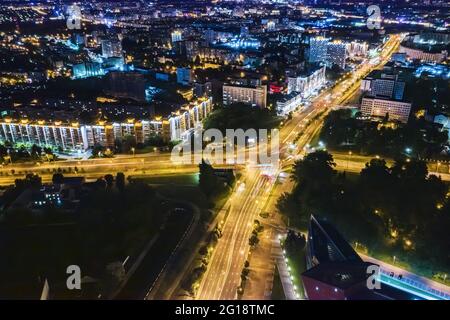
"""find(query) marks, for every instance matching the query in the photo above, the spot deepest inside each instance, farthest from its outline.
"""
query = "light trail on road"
(223, 274)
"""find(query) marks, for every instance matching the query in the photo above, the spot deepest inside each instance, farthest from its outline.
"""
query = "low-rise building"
(423, 55)
(289, 103)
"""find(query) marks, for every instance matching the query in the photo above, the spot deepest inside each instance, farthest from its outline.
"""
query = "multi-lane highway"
(149, 164)
(223, 275)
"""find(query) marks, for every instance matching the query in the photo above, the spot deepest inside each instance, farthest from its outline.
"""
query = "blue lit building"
(86, 70)
(243, 43)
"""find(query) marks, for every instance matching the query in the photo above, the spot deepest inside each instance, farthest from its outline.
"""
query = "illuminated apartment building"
(318, 49)
(307, 82)
(337, 53)
(357, 49)
(253, 95)
(76, 137)
(185, 120)
(176, 36)
(289, 103)
(384, 85)
(381, 107)
(65, 136)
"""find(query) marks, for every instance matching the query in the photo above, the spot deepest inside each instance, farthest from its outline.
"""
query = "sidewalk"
(288, 287)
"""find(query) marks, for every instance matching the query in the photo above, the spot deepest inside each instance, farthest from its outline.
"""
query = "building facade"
(308, 82)
(379, 107)
(255, 96)
(86, 70)
(289, 103)
(386, 86)
(183, 122)
(75, 137)
(337, 53)
(318, 49)
(176, 36)
(42, 133)
(424, 56)
(357, 49)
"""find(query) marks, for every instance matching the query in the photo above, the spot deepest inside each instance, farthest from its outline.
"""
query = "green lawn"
(297, 263)
(188, 193)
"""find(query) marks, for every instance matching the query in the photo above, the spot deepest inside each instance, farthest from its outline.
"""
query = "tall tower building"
(337, 53)
(318, 50)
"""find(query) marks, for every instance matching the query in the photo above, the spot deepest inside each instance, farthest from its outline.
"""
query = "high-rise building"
(210, 35)
(185, 120)
(203, 89)
(253, 95)
(111, 48)
(336, 53)
(77, 38)
(67, 136)
(318, 50)
(357, 49)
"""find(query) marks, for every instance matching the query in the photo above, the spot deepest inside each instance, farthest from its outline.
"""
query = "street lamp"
(133, 150)
(348, 158)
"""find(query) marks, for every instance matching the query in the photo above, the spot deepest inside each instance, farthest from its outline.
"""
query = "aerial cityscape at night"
(231, 150)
